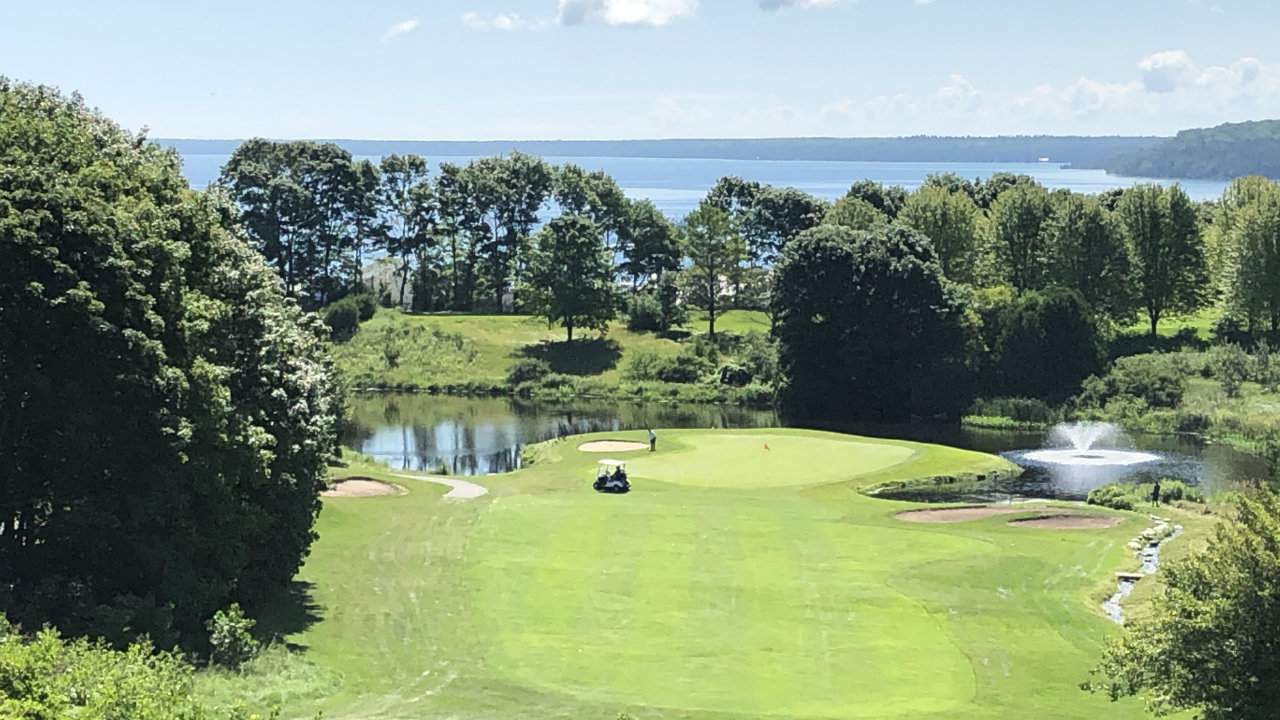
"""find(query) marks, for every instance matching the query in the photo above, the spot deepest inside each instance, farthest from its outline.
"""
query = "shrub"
(1131, 496)
(674, 312)
(644, 314)
(231, 637)
(1020, 409)
(343, 319)
(686, 368)
(366, 304)
(1231, 367)
(759, 355)
(1153, 380)
(528, 370)
(642, 366)
(1047, 344)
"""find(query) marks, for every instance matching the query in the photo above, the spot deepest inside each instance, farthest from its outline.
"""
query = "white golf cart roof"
(611, 462)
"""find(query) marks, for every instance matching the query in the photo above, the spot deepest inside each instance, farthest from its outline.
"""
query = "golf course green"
(743, 576)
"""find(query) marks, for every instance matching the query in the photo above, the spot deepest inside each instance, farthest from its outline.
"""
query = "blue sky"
(525, 69)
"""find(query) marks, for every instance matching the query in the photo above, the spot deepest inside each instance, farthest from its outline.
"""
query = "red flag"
(766, 446)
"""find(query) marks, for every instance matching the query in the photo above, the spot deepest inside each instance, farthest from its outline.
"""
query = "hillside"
(1227, 151)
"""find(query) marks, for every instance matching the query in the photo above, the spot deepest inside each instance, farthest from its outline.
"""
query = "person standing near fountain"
(1155, 494)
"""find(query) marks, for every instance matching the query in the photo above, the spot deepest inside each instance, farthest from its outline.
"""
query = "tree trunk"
(1155, 323)
(569, 327)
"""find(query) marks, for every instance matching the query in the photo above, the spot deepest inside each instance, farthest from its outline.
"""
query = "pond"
(479, 436)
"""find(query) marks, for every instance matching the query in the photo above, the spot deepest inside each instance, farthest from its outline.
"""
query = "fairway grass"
(733, 582)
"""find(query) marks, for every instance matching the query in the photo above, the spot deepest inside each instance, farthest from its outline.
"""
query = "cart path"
(458, 489)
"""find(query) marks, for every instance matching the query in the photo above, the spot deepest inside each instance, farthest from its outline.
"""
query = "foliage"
(1134, 496)
(1046, 345)
(1019, 217)
(1170, 268)
(1153, 380)
(855, 214)
(1231, 366)
(687, 367)
(572, 276)
(1226, 151)
(231, 637)
(343, 318)
(528, 370)
(46, 677)
(848, 305)
(166, 413)
(644, 313)
(1088, 254)
(1208, 644)
(948, 218)
(1246, 226)
(1021, 410)
(716, 250)
(887, 200)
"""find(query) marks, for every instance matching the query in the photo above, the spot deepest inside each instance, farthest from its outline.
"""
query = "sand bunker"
(609, 446)
(1068, 522)
(362, 487)
(958, 514)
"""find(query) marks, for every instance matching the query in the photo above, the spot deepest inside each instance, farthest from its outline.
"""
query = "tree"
(459, 228)
(1046, 344)
(1087, 254)
(508, 193)
(868, 327)
(887, 199)
(653, 249)
(1018, 219)
(263, 178)
(406, 202)
(716, 251)
(369, 230)
(572, 276)
(775, 217)
(1169, 265)
(855, 213)
(166, 411)
(948, 218)
(1209, 644)
(1249, 223)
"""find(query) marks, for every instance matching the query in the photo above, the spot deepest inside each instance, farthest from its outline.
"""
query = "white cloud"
(499, 21)
(1167, 71)
(653, 13)
(959, 94)
(400, 28)
(779, 4)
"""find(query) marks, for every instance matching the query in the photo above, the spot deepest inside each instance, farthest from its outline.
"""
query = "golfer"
(653, 440)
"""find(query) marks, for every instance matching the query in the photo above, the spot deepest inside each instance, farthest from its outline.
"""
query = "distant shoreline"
(1078, 151)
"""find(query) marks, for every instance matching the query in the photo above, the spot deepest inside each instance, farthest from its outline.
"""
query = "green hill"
(1223, 152)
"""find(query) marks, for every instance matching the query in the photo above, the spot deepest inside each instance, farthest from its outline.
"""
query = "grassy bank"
(746, 575)
(475, 354)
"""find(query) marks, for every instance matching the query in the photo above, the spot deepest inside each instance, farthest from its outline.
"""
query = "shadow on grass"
(580, 357)
(290, 611)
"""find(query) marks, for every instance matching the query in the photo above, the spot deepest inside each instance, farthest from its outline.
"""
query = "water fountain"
(1078, 457)
(1092, 444)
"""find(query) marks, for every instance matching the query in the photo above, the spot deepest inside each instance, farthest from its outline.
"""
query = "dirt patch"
(958, 514)
(609, 446)
(357, 487)
(1068, 522)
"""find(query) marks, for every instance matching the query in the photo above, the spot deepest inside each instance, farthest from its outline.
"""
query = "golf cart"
(611, 477)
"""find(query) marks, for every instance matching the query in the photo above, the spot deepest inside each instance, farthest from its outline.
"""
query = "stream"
(1149, 544)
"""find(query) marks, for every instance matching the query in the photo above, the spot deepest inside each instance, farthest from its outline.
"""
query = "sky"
(617, 69)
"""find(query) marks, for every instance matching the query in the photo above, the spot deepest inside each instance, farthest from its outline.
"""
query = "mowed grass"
(454, 349)
(721, 587)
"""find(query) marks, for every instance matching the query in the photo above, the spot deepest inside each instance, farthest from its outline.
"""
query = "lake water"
(677, 185)
(478, 436)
